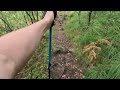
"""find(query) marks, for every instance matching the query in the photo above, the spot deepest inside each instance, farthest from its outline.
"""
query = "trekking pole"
(50, 52)
(50, 44)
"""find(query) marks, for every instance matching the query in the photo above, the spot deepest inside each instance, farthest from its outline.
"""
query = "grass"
(104, 25)
(36, 68)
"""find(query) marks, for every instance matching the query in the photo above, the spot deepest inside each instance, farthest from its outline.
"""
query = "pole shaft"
(50, 51)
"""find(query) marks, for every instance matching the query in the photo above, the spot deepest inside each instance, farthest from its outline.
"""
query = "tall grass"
(104, 24)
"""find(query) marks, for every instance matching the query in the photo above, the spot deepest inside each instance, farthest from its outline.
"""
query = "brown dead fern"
(104, 41)
(92, 49)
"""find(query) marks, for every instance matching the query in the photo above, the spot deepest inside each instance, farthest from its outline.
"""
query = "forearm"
(18, 46)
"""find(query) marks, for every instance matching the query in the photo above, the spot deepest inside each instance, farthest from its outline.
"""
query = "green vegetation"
(103, 25)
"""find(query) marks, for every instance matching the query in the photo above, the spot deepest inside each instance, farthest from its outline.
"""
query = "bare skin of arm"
(17, 47)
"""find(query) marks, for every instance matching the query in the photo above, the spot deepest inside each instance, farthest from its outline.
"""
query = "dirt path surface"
(65, 66)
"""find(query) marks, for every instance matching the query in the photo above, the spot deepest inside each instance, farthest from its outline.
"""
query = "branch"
(5, 21)
(29, 16)
(33, 16)
(25, 19)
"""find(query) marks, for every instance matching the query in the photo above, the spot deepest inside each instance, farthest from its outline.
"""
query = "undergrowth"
(103, 25)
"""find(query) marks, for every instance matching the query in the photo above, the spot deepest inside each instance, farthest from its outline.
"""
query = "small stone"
(71, 50)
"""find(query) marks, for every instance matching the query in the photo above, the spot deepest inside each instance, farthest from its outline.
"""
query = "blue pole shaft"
(50, 51)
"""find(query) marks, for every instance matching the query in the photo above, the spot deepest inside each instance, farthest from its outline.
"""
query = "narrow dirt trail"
(65, 66)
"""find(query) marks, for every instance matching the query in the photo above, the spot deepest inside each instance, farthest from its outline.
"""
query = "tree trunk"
(79, 16)
(89, 17)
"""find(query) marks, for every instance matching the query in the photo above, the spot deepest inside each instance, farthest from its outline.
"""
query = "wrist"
(49, 17)
(48, 21)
